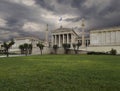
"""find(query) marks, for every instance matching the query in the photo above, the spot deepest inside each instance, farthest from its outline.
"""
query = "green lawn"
(60, 73)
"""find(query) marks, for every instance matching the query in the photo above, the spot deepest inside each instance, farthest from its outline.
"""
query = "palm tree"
(21, 47)
(74, 46)
(55, 47)
(78, 46)
(30, 48)
(26, 47)
(66, 47)
(7, 47)
(41, 46)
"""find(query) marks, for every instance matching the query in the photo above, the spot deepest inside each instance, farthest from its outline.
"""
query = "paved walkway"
(2, 56)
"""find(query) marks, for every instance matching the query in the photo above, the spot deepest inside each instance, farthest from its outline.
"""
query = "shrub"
(96, 53)
(113, 52)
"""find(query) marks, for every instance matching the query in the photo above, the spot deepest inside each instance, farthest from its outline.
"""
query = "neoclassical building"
(104, 40)
(67, 35)
(29, 40)
(21, 40)
(110, 36)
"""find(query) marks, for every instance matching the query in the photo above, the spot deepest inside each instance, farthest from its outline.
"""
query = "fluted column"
(67, 38)
(87, 42)
(55, 39)
(115, 37)
(83, 33)
(72, 41)
(52, 40)
(63, 39)
(59, 41)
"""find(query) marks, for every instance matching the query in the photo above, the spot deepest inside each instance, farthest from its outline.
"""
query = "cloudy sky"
(29, 17)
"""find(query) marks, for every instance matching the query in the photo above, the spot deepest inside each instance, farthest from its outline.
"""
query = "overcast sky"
(29, 17)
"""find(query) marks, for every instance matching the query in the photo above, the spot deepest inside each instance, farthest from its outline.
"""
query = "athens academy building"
(104, 40)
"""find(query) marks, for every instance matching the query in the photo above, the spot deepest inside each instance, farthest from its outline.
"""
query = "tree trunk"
(55, 51)
(7, 53)
(26, 52)
(74, 50)
(41, 52)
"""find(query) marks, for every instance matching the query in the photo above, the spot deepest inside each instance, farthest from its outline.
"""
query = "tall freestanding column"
(83, 33)
(46, 36)
(52, 40)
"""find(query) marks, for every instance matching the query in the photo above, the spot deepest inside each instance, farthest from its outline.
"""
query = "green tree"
(76, 47)
(21, 47)
(66, 48)
(55, 47)
(41, 46)
(30, 48)
(7, 46)
(113, 52)
(26, 48)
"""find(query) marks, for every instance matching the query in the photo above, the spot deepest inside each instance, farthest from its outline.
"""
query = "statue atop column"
(46, 36)
(83, 32)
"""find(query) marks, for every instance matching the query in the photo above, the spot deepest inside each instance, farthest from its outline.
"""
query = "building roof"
(107, 29)
(21, 38)
(62, 30)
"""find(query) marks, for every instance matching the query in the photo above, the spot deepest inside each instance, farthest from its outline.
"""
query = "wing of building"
(103, 40)
(22, 40)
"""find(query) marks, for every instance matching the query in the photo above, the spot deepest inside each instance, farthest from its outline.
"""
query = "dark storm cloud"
(76, 19)
(106, 17)
(45, 5)
(16, 15)
(77, 3)
(97, 14)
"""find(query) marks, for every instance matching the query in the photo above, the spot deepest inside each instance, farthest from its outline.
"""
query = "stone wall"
(103, 48)
(59, 51)
(46, 50)
(105, 37)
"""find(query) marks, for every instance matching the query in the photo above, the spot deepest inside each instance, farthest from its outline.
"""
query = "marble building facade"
(67, 35)
(104, 40)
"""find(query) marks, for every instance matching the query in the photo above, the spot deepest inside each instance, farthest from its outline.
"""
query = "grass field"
(60, 73)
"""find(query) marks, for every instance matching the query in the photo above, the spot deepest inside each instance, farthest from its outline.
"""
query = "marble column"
(67, 38)
(115, 37)
(110, 38)
(83, 33)
(72, 40)
(55, 39)
(52, 40)
(83, 38)
(105, 38)
(46, 35)
(59, 41)
(63, 39)
(87, 42)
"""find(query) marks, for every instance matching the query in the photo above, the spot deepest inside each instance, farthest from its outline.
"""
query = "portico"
(59, 39)
(63, 35)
